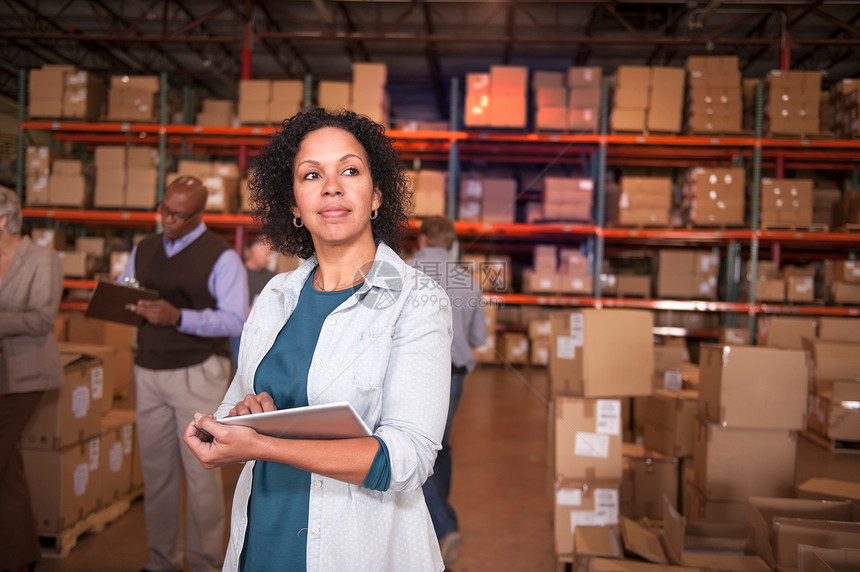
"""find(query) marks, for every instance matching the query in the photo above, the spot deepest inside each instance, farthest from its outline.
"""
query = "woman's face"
(333, 187)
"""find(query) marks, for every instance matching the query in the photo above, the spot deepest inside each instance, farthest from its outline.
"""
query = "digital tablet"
(327, 421)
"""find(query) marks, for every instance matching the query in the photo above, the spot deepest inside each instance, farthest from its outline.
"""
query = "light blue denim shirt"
(386, 350)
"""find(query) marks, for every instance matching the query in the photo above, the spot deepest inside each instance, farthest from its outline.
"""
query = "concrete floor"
(499, 485)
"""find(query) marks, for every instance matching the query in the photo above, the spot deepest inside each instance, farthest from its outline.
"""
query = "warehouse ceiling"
(425, 43)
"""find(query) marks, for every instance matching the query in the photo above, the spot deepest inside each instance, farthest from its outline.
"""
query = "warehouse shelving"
(456, 144)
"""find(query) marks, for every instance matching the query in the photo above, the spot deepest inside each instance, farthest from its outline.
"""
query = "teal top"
(276, 537)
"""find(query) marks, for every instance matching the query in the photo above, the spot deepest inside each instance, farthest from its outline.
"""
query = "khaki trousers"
(166, 402)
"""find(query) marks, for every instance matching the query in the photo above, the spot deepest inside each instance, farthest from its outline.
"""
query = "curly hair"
(271, 184)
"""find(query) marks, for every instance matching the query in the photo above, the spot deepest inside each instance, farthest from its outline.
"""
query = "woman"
(353, 323)
(31, 283)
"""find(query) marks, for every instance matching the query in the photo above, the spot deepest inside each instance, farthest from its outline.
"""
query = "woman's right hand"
(253, 404)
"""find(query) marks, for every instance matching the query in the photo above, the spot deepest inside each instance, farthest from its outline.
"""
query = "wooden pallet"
(59, 544)
(782, 226)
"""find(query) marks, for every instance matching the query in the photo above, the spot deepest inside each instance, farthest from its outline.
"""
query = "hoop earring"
(374, 214)
(297, 222)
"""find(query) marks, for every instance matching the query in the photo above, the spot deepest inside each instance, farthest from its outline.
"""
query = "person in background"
(353, 323)
(183, 366)
(31, 284)
(257, 267)
(435, 240)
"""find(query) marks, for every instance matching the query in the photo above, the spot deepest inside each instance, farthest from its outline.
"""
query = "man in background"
(435, 240)
(182, 366)
(257, 268)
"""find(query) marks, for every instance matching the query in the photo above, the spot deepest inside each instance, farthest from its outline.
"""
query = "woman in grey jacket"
(31, 283)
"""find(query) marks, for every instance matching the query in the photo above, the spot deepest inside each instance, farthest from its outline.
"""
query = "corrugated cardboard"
(648, 478)
(816, 457)
(670, 422)
(762, 511)
(582, 343)
(598, 541)
(786, 332)
(732, 464)
(790, 533)
(64, 484)
(835, 412)
(815, 559)
(72, 413)
(582, 503)
(117, 439)
(107, 354)
(829, 489)
(833, 360)
(588, 439)
(838, 329)
(753, 387)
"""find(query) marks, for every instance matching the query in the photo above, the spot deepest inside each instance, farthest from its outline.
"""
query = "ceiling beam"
(432, 54)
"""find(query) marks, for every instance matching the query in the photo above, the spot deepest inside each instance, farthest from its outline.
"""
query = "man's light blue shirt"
(227, 283)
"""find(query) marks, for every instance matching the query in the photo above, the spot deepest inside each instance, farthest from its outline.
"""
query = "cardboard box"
(702, 509)
(579, 503)
(65, 484)
(829, 489)
(70, 414)
(846, 293)
(815, 559)
(753, 387)
(68, 190)
(628, 285)
(76, 264)
(582, 343)
(648, 477)
(587, 439)
(735, 463)
(514, 348)
(835, 412)
(670, 422)
(838, 329)
(666, 99)
(786, 332)
(627, 120)
(833, 360)
(583, 76)
(766, 515)
(107, 355)
(817, 456)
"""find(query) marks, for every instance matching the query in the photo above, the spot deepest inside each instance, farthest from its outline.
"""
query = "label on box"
(608, 417)
(569, 497)
(97, 382)
(591, 445)
(577, 322)
(95, 445)
(80, 479)
(566, 347)
(606, 505)
(127, 434)
(115, 457)
(673, 380)
(80, 401)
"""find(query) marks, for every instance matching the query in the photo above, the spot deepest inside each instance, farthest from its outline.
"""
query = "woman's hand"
(253, 404)
(229, 444)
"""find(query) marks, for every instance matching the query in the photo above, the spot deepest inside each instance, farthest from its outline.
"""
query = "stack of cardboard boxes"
(37, 169)
(714, 102)
(496, 99)
(133, 98)
(687, 273)
(786, 201)
(61, 91)
(714, 196)
(125, 177)
(263, 101)
(369, 96)
(645, 201)
(216, 113)
(559, 271)
(844, 108)
(587, 427)
(221, 180)
(744, 448)
(648, 99)
(68, 185)
(792, 102)
(585, 89)
(567, 198)
(539, 342)
(550, 101)
(845, 283)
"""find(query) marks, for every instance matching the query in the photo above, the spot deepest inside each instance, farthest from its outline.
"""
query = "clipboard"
(110, 302)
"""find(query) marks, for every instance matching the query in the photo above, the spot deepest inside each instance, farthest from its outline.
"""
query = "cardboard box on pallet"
(46, 87)
(665, 99)
(786, 201)
(644, 201)
(734, 382)
(83, 96)
(65, 483)
(582, 343)
(735, 463)
(70, 414)
(715, 196)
